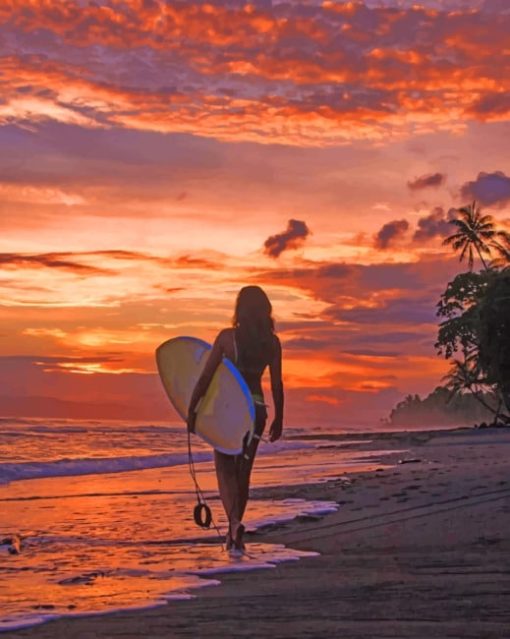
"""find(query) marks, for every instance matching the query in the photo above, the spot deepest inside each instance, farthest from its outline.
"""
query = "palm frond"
(475, 232)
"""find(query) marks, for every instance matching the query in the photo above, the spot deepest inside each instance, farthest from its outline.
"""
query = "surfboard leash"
(202, 513)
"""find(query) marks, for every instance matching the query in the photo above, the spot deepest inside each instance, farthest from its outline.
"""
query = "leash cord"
(198, 491)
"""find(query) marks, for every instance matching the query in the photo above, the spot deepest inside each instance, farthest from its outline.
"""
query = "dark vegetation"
(473, 334)
(442, 409)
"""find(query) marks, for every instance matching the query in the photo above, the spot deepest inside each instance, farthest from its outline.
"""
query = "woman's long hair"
(254, 326)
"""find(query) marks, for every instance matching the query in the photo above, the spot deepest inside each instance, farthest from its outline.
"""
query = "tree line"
(474, 330)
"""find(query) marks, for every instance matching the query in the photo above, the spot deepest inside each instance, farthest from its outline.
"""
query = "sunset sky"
(156, 156)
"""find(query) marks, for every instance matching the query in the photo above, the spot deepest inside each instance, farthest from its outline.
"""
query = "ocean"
(104, 511)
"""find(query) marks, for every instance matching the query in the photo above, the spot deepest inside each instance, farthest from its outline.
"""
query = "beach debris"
(86, 579)
(308, 517)
(414, 460)
(503, 423)
(488, 541)
(13, 543)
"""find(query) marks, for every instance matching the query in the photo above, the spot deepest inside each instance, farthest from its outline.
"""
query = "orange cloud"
(246, 73)
(323, 399)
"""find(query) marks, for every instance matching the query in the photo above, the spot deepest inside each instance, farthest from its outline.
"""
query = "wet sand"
(421, 549)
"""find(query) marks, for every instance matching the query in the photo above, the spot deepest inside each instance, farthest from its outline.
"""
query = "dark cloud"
(350, 278)
(295, 234)
(304, 343)
(396, 337)
(117, 254)
(174, 289)
(69, 261)
(184, 261)
(346, 341)
(51, 260)
(390, 276)
(432, 179)
(308, 343)
(437, 224)
(492, 103)
(397, 311)
(390, 232)
(336, 270)
(489, 189)
(300, 325)
(332, 282)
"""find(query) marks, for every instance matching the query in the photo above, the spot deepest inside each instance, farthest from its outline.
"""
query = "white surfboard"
(226, 413)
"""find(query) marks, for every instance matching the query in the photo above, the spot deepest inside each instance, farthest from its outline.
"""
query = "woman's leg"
(244, 468)
(233, 475)
(245, 465)
(228, 484)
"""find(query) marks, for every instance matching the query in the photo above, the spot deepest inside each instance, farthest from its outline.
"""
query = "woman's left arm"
(214, 360)
(275, 369)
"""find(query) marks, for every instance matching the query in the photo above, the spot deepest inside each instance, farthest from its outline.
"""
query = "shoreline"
(41, 599)
(363, 549)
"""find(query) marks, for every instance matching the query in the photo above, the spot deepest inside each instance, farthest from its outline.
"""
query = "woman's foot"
(229, 542)
(238, 538)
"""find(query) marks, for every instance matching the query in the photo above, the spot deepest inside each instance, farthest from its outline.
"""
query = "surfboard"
(226, 413)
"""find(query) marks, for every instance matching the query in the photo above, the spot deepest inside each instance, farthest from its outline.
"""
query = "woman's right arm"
(275, 370)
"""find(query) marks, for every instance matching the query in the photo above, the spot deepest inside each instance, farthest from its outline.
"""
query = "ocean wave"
(28, 428)
(16, 471)
(10, 472)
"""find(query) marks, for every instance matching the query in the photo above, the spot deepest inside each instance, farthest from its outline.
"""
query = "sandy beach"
(419, 549)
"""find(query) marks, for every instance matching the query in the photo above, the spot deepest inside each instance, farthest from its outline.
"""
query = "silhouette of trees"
(502, 249)
(474, 331)
(494, 334)
(441, 409)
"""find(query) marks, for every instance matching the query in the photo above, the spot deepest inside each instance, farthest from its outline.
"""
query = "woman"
(252, 346)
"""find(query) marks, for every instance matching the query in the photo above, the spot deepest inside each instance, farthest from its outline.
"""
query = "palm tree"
(502, 247)
(464, 375)
(475, 232)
